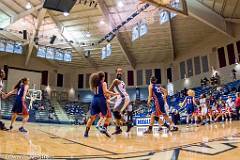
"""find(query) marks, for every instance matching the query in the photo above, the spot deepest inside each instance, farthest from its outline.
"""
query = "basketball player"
(230, 105)
(189, 103)
(122, 101)
(2, 76)
(156, 97)
(20, 107)
(108, 117)
(204, 108)
(221, 107)
(2, 94)
(197, 114)
(99, 104)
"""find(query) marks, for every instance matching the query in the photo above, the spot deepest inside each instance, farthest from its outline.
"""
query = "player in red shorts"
(107, 117)
(221, 110)
(210, 113)
(197, 115)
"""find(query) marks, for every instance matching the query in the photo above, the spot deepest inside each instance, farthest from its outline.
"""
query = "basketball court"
(215, 142)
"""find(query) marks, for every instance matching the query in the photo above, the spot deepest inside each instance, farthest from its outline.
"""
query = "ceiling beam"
(202, 13)
(233, 20)
(26, 13)
(108, 17)
(183, 12)
(235, 8)
(12, 36)
(172, 40)
(40, 19)
(8, 10)
(61, 27)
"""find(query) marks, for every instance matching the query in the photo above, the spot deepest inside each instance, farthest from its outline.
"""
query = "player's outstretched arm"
(25, 91)
(149, 94)
(114, 83)
(9, 93)
(106, 91)
(194, 102)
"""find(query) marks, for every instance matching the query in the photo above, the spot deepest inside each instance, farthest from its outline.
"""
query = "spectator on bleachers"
(202, 83)
(237, 104)
(206, 80)
(234, 74)
(217, 79)
(226, 90)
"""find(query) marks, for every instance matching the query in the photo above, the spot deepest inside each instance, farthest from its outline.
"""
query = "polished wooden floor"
(220, 141)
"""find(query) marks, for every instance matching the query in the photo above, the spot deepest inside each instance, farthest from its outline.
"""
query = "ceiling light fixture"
(120, 4)
(66, 14)
(88, 35)
(28, 5)
(102, 22)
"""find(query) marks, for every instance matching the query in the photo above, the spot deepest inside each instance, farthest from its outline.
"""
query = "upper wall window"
(231, 53)
(189, 68)
(139, 77)
(80, 80)
(169, 74)
(87, 80)
(197, 65)
(130, 78)
(59, 80)
(182, 70)
(238, 48)
(148, 74)
(158, 75)
(205, 66)
(221, 57)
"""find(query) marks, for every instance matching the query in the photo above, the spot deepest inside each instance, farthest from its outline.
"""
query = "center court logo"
(144, 122)
(23, 157)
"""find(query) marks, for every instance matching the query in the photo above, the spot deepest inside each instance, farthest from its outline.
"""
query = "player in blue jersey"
(99, 102)
(20, 107)
(189, 104)
(156, 100)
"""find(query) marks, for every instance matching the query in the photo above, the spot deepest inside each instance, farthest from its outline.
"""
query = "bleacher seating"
(42, 111)
(143, 111)
(76, 110)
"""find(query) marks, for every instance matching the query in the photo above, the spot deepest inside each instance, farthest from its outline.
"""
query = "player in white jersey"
(122, 101)
(2, 76)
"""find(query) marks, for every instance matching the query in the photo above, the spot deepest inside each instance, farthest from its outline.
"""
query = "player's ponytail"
(153, 80)
(101, 75)
(17, 86)
(2, 74)
(21, 81)
(93, 81)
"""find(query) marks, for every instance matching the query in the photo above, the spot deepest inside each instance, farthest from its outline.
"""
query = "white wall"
(14, 74)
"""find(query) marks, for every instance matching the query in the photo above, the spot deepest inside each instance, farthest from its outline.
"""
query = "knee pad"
(117, 115)
(156, 118)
